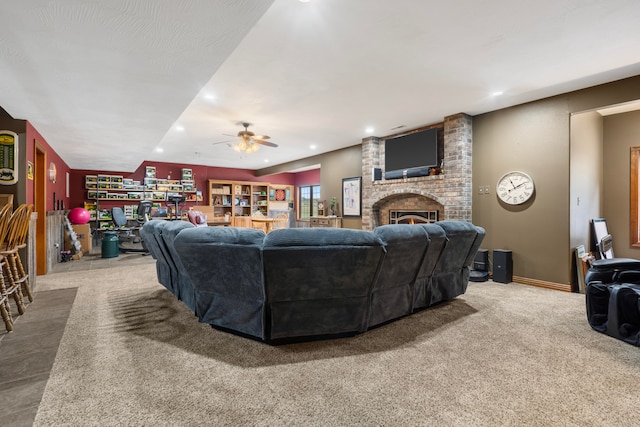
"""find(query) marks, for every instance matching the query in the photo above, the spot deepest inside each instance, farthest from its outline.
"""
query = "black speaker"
(376, 174)
(502, 266)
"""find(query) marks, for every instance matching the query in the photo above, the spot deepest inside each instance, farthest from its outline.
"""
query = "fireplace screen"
(412, 217)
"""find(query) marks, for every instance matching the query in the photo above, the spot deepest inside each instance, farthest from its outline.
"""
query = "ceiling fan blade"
(267, 143)
(261, 137)
(221, 142)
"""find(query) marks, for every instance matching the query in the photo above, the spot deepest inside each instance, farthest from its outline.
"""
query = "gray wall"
(621, 131)
(334, 166)
(535, 137)
(585, 199)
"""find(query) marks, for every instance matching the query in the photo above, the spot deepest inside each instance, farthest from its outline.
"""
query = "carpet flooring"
(502, 354)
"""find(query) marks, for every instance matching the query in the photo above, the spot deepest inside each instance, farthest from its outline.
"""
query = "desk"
(218, 223)
(325, 222)
(262, 223)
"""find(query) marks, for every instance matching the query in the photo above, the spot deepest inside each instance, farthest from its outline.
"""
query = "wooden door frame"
(40, 206)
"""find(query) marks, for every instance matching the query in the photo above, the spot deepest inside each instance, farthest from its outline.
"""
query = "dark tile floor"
(27, 353)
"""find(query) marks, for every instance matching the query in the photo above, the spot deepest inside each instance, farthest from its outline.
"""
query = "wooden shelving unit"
(241, 199)
(259, 199)
(116, 188)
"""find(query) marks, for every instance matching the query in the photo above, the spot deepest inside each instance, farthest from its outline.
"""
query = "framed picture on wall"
(352, 197)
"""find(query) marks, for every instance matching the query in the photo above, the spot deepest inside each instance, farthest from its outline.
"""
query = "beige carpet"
(499, 355)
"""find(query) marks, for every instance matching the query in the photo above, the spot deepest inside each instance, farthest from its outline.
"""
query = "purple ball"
(79, 216)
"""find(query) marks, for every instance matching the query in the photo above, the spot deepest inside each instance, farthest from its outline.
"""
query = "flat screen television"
(414, 150)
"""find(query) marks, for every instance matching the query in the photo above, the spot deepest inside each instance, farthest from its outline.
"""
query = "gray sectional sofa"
(305, 283)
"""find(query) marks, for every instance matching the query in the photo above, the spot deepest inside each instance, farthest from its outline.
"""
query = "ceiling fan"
(250, 142)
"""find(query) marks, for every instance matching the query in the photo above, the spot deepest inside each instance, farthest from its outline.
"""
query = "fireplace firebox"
(412, 217)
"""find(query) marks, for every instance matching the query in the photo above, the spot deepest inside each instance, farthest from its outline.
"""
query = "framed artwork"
(352, 197)
(30, 170)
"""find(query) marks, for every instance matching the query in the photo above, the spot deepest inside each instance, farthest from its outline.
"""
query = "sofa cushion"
(451, 275)
(392, 294)
(437, 240)
(225, 267)
(182, 284)
(151, 234)
(318, 280)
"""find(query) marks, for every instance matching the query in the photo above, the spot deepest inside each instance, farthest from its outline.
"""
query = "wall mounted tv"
(414, 153)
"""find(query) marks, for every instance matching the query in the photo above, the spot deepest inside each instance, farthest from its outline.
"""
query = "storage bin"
(110, 244)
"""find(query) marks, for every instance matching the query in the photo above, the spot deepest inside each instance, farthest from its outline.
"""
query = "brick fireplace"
(448, 193)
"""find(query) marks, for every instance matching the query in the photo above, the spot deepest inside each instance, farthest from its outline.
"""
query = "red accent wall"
(78, 193)
(201, 175)
(53, 190)
(311, 177)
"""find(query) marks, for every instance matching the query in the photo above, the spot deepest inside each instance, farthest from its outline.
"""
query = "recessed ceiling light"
(304, 1)
(497, 93)
(313, 146)
(209, 96)
(369, 130)
(179, 128)
(266, 160)
(159, 150)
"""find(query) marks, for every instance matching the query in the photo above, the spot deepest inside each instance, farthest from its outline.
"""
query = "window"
(309, 196)
(633, 202)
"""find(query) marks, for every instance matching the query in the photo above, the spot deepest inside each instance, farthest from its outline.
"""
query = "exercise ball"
(79, 216)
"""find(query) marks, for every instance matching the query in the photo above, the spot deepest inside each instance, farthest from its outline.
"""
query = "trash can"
(110, 244)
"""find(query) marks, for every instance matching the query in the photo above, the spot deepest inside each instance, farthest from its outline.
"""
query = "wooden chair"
(258, 224)
(5, 293)
(22, 243)
(12, 269)
(280, 221)
(6, 199)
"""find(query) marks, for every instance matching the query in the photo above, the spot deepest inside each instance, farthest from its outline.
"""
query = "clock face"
(515, 188)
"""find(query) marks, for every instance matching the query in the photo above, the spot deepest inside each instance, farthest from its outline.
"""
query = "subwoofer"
(502, 266)
(480, 271)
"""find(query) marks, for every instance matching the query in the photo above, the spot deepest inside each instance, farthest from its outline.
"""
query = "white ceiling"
(107, 83)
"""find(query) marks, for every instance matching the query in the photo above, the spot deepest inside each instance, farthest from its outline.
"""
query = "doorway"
(40, 204)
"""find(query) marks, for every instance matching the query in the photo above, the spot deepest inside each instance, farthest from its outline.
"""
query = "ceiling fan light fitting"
(253, 147)
(249, 143)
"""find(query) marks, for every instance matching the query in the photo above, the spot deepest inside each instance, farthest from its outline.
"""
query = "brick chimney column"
(457, 165)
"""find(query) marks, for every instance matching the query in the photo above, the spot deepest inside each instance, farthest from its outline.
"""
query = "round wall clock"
(515, 188)
(53, 172)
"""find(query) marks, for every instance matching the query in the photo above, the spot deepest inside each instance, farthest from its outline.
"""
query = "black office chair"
(130, 238)
(119, 218)
(144, 212)
(143, 215)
